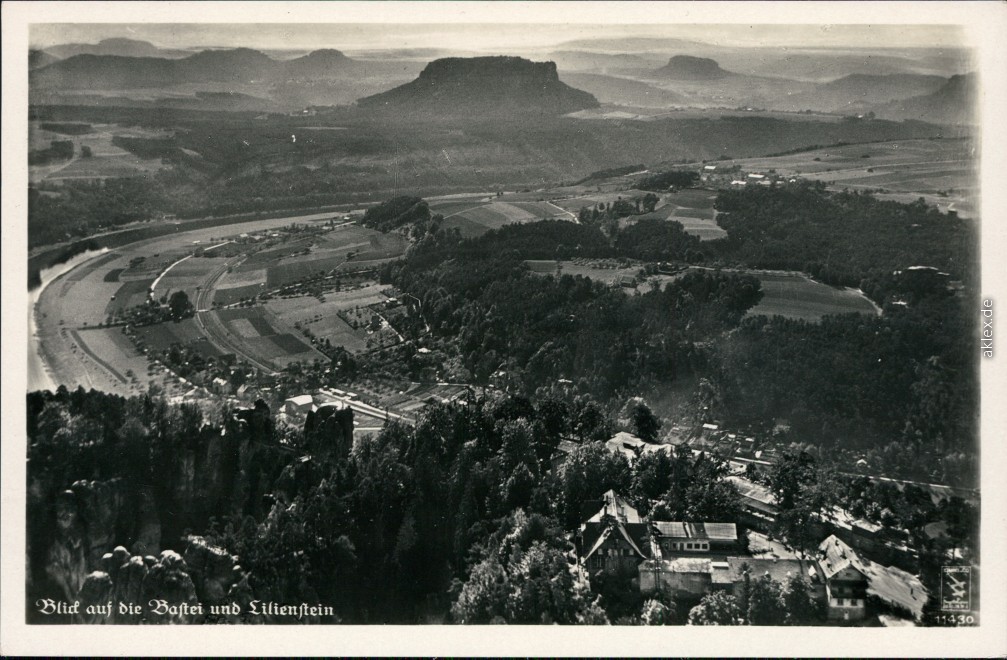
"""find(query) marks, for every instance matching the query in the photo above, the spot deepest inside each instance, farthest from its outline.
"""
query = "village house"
(626, 444)
(851, 579)
(631, 446)
(845, 582)
(298, 405)
(613, 539)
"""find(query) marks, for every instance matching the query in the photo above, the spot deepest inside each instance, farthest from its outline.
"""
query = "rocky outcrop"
(686, 67)
(140, 590)
(213, 570)
(483, 87)
(328, 432)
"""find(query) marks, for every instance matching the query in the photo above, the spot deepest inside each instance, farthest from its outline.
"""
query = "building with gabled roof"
(844, 569)
(626, 444)
(845, 582)
(614, 538)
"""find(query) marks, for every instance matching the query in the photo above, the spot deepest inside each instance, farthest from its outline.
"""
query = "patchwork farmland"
(476, 219)
(791, 295)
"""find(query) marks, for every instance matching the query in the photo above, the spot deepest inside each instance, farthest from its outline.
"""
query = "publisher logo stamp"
(956, 588)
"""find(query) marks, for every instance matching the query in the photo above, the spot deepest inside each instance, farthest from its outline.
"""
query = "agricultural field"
(307, 257)
(162, 336)
(119, 360)
(478, 220)
(574, 204)
(705, 228)
(298, 269)
(940, 171)
(261, 334)
(609, 271)
(322, 319)
(107, 160)
(188, 276)
(796, 296)
(451, 207)
(791, 295)
(127, 295)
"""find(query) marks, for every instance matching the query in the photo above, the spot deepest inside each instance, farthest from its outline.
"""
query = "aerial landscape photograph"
(470, 323)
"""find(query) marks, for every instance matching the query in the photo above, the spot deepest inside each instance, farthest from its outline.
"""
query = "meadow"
(796, 296)
(478, 219)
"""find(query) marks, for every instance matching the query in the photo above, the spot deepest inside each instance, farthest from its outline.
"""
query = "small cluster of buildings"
(732, 176)
(687, 560)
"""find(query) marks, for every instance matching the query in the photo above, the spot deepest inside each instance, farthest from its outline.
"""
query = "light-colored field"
(238, 277)
(107, 159)
(574, 204)
(791, 295)
(188, 275)
(705, 228)
(322, 318)
(260, 333)
(477, 220)
(110, 348)
(799, 297)
(943, 172)
(608, 271)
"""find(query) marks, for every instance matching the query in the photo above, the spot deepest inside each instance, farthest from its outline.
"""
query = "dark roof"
(686, 530)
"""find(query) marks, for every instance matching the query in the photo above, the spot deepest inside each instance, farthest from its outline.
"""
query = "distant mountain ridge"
(233, 65)
(40, 58)
(954, 103)
(117, 46)
(483, 86)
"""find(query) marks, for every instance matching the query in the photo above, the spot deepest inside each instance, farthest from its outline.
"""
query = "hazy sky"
(489, 37)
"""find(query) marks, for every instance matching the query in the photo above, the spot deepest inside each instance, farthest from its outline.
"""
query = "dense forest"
(399, 530)
(841, 238)
(226, 163)
(899, 391)
(466, 517)
(479, 298)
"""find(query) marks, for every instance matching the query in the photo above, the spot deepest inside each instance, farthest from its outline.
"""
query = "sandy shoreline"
(42, 375)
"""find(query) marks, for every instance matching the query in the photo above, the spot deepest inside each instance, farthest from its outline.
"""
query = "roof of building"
(844, 519)
(613, 518)
(616, 507)
(300, 400)
(834, 556)
(751, 490)
(707, 531)
(687, 565)
(890, 584)
(627, 439)
(566, 446)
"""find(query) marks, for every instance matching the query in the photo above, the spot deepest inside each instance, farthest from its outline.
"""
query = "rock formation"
(686, 67)
(483, 87)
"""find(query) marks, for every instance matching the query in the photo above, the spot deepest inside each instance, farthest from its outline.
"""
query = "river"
(39, 374)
